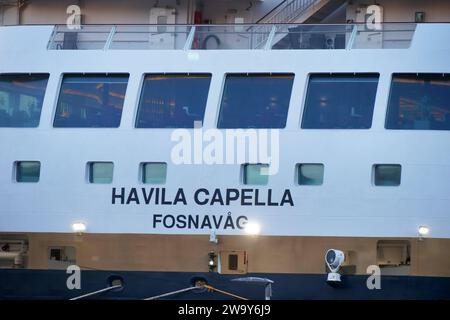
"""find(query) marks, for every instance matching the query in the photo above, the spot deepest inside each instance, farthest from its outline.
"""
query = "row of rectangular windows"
(311, 174)
(257, 100)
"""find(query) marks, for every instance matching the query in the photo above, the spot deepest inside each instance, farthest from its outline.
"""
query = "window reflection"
(310, 174)
(91, 101)
(340, 101)
(28, 171)
(387, 174)
(154, 172)
(101, 172)
(255, 101)
(21, 98)
(256, 174)
(419, 102)
(173, 100)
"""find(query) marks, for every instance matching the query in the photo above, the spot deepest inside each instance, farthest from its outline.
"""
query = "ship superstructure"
(193, 153)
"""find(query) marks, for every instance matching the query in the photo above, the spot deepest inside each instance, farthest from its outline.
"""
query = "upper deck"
(232, 37)
(348, 155)
(225, 37)
(260, 37)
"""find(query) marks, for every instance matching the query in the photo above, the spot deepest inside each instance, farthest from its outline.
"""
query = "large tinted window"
(255, 101)
(419, 102)
(173, 100)
(21, 98)
(340, 101)
(91, 101)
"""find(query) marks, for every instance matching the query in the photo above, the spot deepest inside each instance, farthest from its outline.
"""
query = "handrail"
(287, 14)
(352, 37)
(205, 25)
(291, 10)
(187, 37)
(271, 11)
(109, 25)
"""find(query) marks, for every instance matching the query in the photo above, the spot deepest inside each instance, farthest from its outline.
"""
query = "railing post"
(352, 37)
(110, 38)
(269, 41)
(190, 39)
(52, 38)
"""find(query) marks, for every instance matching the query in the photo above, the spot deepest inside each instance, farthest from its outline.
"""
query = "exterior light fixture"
(334, 259)
(79, 227)
(419, 17)
(252, 228)
(423, 231)
(212, 261)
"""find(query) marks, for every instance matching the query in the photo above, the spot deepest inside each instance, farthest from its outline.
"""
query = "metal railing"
(290, 11)
(271, 12)
(232, 37)
(285, 14)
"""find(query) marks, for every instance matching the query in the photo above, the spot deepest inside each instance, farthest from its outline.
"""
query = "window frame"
(297, 174)
(100, 73)
(140, 92)
(388, 102)
(16, 171)
(90, 168)
(44, 96)
(243, 179)
(374, 168)
(249, 73)
(142, 172)
(344, 73)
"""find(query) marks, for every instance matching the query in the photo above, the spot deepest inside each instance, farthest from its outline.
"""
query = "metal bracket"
(110, 38)
(190, 39)
(269, 41)
(352, 37)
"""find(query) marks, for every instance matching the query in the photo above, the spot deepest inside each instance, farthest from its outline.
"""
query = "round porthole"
(199, 282)
(116, 280)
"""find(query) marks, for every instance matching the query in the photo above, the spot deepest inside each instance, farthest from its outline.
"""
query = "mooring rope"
(96, 292)
(224, 292)
(171, 293)
(211, 288)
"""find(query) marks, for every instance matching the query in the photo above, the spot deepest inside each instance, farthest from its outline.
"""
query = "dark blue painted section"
(51, 284)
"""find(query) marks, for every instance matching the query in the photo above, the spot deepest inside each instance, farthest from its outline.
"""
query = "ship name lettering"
(209, 222)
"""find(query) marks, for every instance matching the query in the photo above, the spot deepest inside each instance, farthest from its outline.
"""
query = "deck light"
(79, 227)
(252, 228)
(212, 261)
(334, 259)
(423, 231)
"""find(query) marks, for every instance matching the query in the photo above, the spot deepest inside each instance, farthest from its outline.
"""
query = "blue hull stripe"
(51, 284)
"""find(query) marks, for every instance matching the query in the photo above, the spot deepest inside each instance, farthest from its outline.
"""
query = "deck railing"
(232, 37)
(291, 10)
